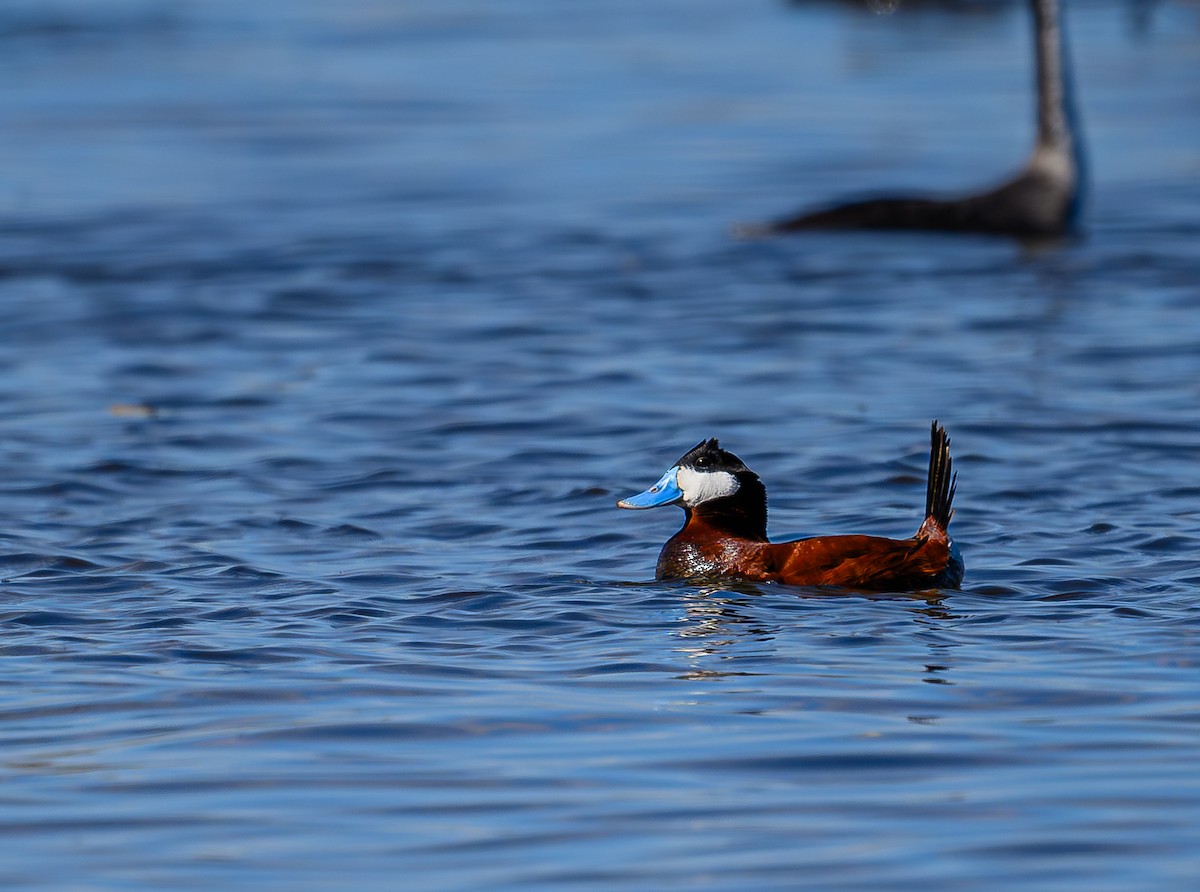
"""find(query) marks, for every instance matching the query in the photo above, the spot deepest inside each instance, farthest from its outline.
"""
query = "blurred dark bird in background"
(1043, 200)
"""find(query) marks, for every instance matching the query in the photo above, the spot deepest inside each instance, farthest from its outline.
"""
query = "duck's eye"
(703, 461)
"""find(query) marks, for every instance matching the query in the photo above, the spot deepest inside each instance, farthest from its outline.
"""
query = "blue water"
(334, 331)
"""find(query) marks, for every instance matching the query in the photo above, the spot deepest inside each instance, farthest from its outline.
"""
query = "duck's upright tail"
(939, 490)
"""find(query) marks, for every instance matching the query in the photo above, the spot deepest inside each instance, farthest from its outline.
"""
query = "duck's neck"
(1058, 154)
(1055, 111)
(743, 515)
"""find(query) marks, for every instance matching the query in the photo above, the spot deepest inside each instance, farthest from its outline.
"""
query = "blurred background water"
(333, 332)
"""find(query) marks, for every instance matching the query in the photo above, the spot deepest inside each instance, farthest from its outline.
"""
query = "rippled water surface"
(334, 331)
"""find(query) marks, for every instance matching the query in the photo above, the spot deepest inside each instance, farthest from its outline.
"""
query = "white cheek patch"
(704, 486)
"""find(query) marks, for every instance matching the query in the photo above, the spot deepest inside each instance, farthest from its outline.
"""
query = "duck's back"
(872, 562)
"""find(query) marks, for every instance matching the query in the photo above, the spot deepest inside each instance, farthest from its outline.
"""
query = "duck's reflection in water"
(723, 623)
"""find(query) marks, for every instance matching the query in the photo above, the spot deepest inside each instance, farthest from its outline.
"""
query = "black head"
(708, 457)
(714, 484)
(717, 485)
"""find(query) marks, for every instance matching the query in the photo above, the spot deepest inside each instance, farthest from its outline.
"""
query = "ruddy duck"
(724, 533)
(1042, 200)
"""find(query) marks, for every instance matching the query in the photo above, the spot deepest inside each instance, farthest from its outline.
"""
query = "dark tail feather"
(939, 491)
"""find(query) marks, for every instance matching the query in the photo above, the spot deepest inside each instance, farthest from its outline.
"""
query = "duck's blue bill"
(664, 492)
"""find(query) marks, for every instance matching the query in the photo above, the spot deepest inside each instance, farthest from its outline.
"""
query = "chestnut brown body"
(927, 560)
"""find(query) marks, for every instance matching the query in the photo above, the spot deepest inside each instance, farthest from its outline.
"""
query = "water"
(334, 331)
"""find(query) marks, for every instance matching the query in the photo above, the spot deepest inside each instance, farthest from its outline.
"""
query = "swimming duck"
(1042, 200)
(724, 532)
